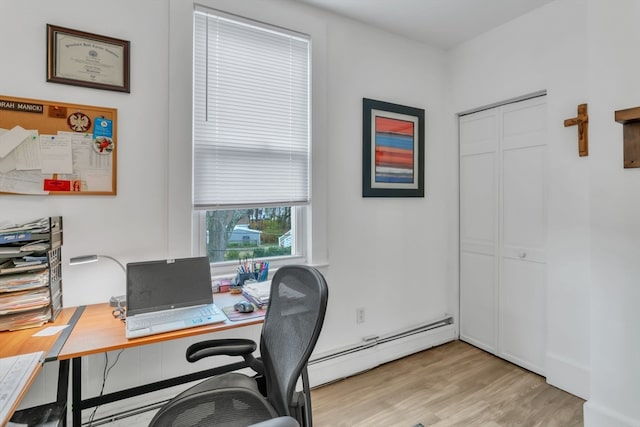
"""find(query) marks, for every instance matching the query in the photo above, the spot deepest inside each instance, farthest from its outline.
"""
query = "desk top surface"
(97, 331)
(24, 341)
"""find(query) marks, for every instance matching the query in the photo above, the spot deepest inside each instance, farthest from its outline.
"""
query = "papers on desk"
(16, 302)
(12, 234)
(51, 330)
(257, 292)
(24, 274)
(24, 300)
(20, 251)
(24, 320)
(15, 372)
(24, 281)
(37, 226)
(17, 265)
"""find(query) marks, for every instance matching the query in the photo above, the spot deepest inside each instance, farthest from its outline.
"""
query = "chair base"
(49, 415)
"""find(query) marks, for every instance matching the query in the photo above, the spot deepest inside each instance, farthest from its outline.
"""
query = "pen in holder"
(243, 277)
(249, 270)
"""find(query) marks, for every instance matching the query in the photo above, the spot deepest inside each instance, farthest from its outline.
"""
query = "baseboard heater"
(373, 351)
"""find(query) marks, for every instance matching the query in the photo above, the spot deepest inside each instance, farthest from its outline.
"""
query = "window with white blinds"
(251, 114)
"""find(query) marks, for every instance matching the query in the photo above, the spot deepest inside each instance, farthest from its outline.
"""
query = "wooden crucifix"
(583, 129)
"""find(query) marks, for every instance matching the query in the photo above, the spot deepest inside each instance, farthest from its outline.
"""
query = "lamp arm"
(114, 260)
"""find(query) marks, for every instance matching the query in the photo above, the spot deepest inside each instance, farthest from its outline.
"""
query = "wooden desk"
(23, 341)
(97, 331)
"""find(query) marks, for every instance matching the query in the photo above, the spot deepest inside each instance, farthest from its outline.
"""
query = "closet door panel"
(477, 199)
(524, 204)
(522, 321)
(478, 300)
(479, 229)
(478, 261)
(522, 328)
(503, 231)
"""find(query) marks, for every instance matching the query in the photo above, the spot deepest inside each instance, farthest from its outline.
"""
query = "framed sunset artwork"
(393, 150)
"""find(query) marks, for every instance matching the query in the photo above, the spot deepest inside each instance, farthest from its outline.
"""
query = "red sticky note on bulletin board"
(57, 185)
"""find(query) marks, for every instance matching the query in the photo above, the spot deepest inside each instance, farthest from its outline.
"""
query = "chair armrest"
(224, 347)
(278, 422)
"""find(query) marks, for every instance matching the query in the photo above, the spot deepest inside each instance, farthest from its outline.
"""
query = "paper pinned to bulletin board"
(50, 148)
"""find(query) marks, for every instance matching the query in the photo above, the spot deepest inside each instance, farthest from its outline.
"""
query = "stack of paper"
(24, 281)
(23, 320)
(17, 265)
(36, 226)
(15, 302)
(13, 233)
(15, 372)
(257, 292)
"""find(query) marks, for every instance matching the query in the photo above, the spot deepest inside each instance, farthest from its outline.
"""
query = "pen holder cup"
(243, 277)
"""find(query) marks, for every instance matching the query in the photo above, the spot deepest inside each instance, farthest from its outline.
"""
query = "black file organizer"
(54, 270)
(52, 414)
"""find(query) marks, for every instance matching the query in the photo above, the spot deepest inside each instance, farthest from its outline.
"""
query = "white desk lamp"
(118, 301)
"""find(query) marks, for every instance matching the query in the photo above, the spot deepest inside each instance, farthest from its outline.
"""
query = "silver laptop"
(168, 295)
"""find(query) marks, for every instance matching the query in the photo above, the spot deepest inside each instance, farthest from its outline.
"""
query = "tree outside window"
(248, 233)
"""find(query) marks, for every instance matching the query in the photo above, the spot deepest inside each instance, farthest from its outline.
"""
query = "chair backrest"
(294, 318)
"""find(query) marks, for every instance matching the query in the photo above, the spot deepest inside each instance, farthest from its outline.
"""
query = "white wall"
(133, 224)
(615, 217)
(579, 51)
(389, 256)
(397, 258)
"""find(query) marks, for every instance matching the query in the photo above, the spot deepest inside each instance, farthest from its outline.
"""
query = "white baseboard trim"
(476, 343)
(596, 415)
(342, 367)
(402, 347)
(568, 375)
(365, 357)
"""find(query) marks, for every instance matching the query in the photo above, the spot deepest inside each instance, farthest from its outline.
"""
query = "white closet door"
(502, 231)
(479, 137)
(522, 327)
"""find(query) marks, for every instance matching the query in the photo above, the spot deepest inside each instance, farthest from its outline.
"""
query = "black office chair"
(297, 305)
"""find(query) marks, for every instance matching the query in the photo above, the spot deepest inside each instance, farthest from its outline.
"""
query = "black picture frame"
(79, 58)
(392, 150)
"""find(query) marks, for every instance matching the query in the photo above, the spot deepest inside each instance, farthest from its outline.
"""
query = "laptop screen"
(165, 284)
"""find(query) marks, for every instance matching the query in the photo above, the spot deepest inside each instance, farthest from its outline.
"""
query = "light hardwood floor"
(454, 384)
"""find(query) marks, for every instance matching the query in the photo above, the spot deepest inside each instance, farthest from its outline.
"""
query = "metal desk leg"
(76, 390)
(63, 387)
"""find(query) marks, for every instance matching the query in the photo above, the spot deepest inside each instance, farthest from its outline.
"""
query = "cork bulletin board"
(53, 148)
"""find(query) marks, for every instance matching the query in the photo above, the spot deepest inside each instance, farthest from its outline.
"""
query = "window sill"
(227, 270)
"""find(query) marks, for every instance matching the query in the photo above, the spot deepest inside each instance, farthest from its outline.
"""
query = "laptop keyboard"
(171, 320)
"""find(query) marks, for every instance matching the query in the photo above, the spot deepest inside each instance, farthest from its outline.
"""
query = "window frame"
(222, 269)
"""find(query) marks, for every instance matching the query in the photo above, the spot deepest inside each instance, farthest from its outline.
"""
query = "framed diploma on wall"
(83, 59)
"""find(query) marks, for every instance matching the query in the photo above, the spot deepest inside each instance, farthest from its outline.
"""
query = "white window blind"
(251, 114)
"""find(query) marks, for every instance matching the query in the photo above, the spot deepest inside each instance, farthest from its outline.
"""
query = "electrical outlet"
(360, 315)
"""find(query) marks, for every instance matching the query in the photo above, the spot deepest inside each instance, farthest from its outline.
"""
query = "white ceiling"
(440, 23)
